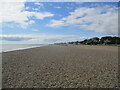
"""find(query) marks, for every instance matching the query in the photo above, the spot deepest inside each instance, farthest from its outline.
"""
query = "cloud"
(36, 9)
(100, 19)
(55, 23)
(37, 3)
(57, 7)
(42, 38)
(52, 40)
(27, 7)
(16, 12)
(14, 37)
(35, 29)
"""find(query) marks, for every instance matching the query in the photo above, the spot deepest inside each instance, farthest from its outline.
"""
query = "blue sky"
(52, 22)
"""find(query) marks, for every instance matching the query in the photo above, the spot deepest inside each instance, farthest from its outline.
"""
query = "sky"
(54, 22)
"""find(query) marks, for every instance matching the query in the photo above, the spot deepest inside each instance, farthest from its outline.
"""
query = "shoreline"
(22, 48)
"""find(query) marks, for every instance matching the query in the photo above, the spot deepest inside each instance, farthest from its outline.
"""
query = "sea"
(13, 47)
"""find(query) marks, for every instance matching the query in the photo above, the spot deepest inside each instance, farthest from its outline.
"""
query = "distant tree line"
(107, 40)
(104, 40)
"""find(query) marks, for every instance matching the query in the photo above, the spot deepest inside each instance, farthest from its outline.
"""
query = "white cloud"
(36, 9)
(35, 30)
(41, 5)
(55, 23)
(15, 12)
(57, 7)
(43, 15)
(100, 19)
(42, 38)
(37, 3)
(27, 7)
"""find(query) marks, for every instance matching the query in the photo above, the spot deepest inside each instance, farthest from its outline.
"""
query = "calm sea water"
(12, 47)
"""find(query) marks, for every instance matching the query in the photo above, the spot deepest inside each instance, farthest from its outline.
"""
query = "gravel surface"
(59, 66)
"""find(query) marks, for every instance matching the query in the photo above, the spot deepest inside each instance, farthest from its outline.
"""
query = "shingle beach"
(61, 66)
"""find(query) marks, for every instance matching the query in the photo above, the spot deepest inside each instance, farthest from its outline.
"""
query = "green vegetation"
(107, 40)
